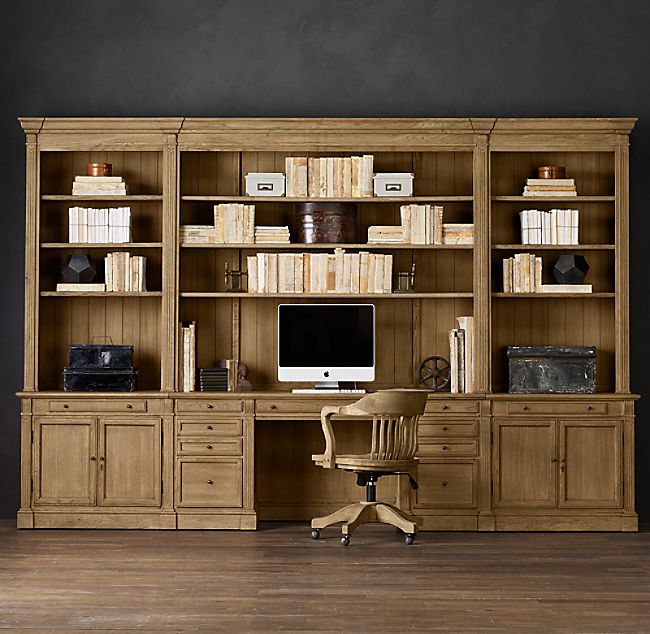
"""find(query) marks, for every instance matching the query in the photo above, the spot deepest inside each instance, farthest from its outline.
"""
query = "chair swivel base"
(354, 515)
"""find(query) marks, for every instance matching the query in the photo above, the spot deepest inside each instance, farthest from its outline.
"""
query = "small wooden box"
(265, 184)
(393, 184)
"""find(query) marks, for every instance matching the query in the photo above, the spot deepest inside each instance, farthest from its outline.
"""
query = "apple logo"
(326, 373)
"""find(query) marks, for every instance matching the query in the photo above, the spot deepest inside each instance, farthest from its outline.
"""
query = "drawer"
(216, 447)
(448, 429)
(92, 405)
(557, 408)
(446, 485)
(449, 449)
(205, 482)
(297, 406)
(209, 427)
(208, 406)
(451, 406)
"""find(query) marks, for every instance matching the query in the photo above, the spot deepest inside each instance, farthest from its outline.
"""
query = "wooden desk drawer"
(557, 408)
(446, 485)
(297, 406)
(216, 447)
(451, 406)
(448, 429)
(206, 482)
(213, 405)
(92, 405)
(209, 427)
(449, 449)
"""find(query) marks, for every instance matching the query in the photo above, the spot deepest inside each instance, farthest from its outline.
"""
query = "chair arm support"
(329, 457)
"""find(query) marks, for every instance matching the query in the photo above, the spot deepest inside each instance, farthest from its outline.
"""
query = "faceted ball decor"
(79, 269)
(570, 269)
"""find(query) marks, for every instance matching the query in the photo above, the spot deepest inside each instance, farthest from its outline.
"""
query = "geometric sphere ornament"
(79, 269)
(570, 269)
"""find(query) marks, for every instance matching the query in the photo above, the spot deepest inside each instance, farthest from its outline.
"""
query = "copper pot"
(331, 223)
(99, 169)
(551, 171)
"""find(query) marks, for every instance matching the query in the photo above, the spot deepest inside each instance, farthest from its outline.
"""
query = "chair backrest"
(395, 415)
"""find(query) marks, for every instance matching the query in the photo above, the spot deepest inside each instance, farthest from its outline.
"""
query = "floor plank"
(278, 579)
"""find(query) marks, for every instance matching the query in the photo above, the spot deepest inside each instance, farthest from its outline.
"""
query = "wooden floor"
(279, 579)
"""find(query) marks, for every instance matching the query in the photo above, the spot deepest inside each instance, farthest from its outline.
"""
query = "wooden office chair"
(395, 415)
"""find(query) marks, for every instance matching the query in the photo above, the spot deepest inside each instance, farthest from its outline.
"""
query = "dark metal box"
(98, 356)
(551, 369)
(106, 380)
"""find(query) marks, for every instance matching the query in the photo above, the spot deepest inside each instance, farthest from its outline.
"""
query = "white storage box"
(393, 184)
(265, 184)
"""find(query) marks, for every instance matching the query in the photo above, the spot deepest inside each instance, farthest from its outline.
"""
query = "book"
(565, 288)
(466, 324)
(86, 288)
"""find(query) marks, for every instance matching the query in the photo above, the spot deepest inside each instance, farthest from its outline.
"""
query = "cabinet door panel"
(209, 482)
(129, 462)
(590, 473)
(525, 463)
(64, 461)
(446, 485)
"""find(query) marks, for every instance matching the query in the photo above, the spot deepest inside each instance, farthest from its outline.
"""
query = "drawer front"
(210, 483)
(216, 447)
(556, 408)
(448, 429)
(93, 405)
(451, 406)
(448, 448)
(209, 427)
(209, 405)
(446, 485)
(298, 406)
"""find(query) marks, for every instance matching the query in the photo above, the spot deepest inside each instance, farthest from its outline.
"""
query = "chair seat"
(366, 463)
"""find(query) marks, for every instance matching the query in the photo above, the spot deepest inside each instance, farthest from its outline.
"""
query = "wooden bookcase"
(489, 460)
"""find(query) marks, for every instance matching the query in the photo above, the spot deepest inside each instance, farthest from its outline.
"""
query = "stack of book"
(522, 274)
(330, 176)
(337, 272)
(462, 356)
(235, 223)
(550, 187)
(88, 225)
(125, 272)
(278, 235)
(457, 233)
(385, 234)
(557, 226)
(198, 234)
(98, 186)
(222, 378)
(187, 357)
(421, 224)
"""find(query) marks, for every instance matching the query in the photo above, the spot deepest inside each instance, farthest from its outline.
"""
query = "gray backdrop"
(310, 58)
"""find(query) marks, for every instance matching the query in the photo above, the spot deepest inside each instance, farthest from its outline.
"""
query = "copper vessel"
(99, 169)
(328, 223)
(551, 171)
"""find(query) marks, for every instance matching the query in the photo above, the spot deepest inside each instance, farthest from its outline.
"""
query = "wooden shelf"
(555, 295)
(369, 199)
(550, 199)
(330, 295)
(101, 245)
(132, 198)
(100, 294)
(314, 247)
(554, 247)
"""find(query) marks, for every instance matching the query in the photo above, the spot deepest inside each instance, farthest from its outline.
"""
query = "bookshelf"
(177, 170)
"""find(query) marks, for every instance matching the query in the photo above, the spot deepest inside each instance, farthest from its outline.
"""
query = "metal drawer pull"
(129, 406)
(210, 406)
(209, 426)
(444, 483)
(525, 408)
(445, 428)
(444, 447)
(589, 408)
(274, 407)
(210, 482)
(209, 446)
(92, 457)
(65, 406)
(445, 407)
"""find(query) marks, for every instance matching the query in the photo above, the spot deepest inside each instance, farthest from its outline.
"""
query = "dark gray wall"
(400, 58)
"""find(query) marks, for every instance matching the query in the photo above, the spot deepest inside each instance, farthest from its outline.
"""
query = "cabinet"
(557, 463)
(158, 458)
(97, 461)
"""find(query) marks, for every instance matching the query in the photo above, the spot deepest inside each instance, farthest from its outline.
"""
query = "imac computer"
(325, 344)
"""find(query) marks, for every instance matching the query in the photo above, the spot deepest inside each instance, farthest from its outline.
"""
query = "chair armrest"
(329, 456)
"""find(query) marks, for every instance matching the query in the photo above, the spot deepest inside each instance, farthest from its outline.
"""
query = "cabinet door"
(590, 463)
(525, 463)
(129, 461)
(209, 482)
(65, 460)
(446, 484)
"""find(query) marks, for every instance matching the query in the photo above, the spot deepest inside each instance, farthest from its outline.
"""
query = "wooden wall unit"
(159, 458)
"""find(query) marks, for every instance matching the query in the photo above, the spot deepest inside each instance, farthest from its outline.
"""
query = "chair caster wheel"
(315, 533)
(409, 538)
(345, 540)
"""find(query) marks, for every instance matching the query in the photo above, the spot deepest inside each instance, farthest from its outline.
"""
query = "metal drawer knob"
(444, 483)
(444, 447)
(525, 408)
(65, 406)
(274, 407)
(210, 406)
(445, 407)
(445, 428)
(210, 482)
(129, 406)
(589, 408)
(209, 446)
(92, 457)
(209, 426)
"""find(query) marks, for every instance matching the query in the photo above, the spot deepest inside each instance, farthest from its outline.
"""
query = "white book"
(298, 268)
(453, 359)
(355, 260)
(565, 288)
(388, 273)
(574, 226)
(467, 324)
(523, 220)
(329, 162)
(262, 283)
(251, 267)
